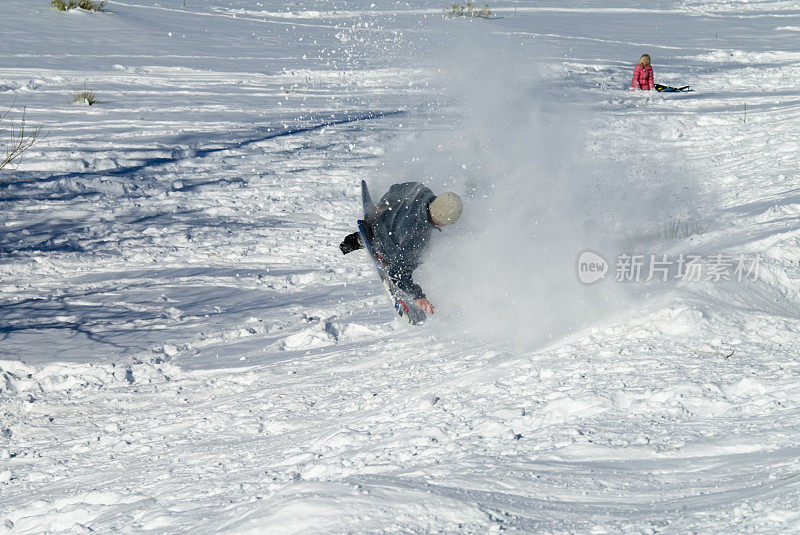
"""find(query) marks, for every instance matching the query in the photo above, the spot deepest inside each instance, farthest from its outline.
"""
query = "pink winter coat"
(642, 77)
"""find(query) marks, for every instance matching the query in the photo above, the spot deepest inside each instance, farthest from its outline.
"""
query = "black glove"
(352, 242)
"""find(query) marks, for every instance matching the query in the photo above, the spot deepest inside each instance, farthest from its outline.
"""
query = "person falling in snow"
(399, 228)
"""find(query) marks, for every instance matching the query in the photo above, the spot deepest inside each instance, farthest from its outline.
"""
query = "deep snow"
(184, 350)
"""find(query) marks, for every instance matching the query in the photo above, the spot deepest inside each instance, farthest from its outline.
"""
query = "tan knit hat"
(445, 208)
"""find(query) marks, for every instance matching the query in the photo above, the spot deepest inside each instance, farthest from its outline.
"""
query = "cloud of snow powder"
(539, 188)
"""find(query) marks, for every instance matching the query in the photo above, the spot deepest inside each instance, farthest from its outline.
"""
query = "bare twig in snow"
(20, 140)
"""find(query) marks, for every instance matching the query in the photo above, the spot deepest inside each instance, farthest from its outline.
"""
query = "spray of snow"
(539, 190)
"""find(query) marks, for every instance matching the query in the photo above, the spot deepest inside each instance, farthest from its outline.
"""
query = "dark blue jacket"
(401, 229)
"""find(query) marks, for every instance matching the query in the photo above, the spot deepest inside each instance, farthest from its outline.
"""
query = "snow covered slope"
(184, 350)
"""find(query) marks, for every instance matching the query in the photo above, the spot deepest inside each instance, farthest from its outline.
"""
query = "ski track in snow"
(183, 349)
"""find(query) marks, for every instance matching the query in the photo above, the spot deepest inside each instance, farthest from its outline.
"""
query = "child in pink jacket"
(643, 74)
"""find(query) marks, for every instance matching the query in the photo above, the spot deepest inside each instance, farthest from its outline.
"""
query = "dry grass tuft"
(84, 97)
(88, 5)
(457, 10)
